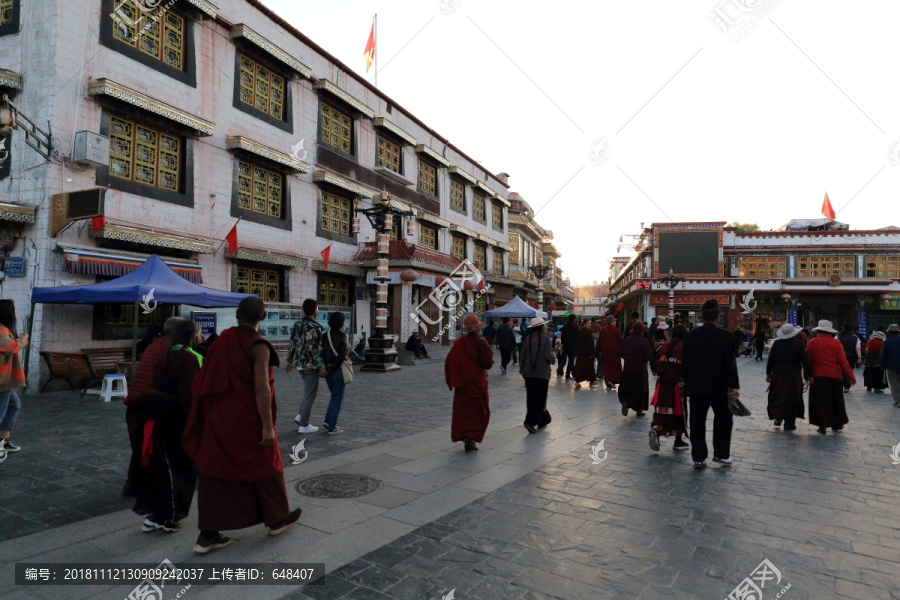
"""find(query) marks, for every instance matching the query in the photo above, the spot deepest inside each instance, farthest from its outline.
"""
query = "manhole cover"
(338, 486)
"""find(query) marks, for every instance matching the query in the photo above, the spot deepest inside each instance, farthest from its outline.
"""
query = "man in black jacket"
(710, 374)
(506, 340)
(490, 332)
(569, 338)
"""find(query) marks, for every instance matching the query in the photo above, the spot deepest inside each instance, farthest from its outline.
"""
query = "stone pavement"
(528, 517)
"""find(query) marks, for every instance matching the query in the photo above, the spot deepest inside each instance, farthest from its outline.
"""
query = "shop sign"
(892, 303)
(691, 299)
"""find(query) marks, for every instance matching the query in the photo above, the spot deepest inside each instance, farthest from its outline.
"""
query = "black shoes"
(287, 523)
(624, 409)
(680, 445)
(205, 544)
(777, 422)
(530, 428)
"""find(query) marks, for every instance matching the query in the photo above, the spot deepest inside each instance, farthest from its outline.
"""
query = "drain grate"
(338, 486)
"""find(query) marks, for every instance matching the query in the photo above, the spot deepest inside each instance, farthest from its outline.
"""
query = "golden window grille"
(335, 213)
(885, 267)
(162, 38)
(458, 196)
(334, 292)
(260, 190)
(264, 282)
(826, 266)
(428, 237)
(144, 155)
(458, 248)
(514, 242)
(261, 88)
(6, 10)
(428, 179)
(480, 304)
(480, 257)
(498, 262)
(395, 229)
(337, 129)
(478, 206)
(773, 267)
(497, 216)
(388, 155)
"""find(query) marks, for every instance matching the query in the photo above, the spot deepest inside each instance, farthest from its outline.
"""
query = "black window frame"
(287, 124)
(437, 179)
(354, 122)
(327, 233)
(285, 221)
(14, 22)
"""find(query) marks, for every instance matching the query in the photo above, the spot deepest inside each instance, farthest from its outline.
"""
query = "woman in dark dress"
(634, 392)
(668, 419)
(873, 373)
(164, 475)
(535, 361)
(786, 368)
(585, 369)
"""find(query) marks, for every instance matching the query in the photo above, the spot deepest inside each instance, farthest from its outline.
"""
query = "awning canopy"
(152, 281)
(516, 308)
(90, 262)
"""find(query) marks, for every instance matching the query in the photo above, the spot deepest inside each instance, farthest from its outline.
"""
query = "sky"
(612, 113)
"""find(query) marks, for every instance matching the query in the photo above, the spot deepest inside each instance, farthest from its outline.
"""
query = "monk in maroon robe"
(230, 435)
(465, 373)
(609, 346)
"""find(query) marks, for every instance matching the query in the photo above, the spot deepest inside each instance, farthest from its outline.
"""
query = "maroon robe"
(609, 345)
(585, 369)
(465, 373)
(240, 482)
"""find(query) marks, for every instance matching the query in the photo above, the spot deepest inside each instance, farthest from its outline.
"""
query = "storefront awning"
(272, 258)
(111, 89)
(96, 262)
(19, 213)
(153, 238)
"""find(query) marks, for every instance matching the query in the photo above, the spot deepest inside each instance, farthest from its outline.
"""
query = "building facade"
(591, 300)
(223, 115)
(848, 276)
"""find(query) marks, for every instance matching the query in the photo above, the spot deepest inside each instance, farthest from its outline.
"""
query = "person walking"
(759, 340)
(569, 338)
(651, 330)
(609, 347)
(506, 341)
(852, 346)
(831, 372)
(230, 435)
(890, 361)
(668, 416)
(787, 367)
(710, 374)
(334, 352)
(535, 362)
(873, 373)
(162, 474)
(306, 352)
(634, 393)
(560, 358)
(12, 376)
(465, 372)
(584, 358)
(517, 332)
(738, 341)
(490, 332)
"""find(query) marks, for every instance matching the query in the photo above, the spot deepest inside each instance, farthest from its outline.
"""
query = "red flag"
(326, 255)
(619, 307)
(827, 209)
(553, 306)
(369, 54)
(231, 239)
(97, 223)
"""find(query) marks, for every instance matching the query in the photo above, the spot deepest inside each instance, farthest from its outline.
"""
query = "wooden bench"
(91, 365)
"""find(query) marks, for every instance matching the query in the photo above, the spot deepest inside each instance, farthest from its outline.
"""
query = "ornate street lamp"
(381, 354)
(671, 280)
(540, 271)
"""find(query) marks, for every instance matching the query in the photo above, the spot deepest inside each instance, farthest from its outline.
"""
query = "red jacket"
(827, 357)
(142, 380)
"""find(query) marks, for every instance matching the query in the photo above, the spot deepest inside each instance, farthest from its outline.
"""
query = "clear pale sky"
(697, 126)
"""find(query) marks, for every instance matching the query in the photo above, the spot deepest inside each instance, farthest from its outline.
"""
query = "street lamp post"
(381, 354)
(671, 280)
(540, 271)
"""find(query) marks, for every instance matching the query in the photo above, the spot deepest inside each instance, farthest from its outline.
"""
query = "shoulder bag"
(346, 365)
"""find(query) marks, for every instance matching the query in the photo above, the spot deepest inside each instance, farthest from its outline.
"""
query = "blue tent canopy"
(515, 309)
(154, 276)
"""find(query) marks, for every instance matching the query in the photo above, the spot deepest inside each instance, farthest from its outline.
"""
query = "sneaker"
(286, 524)
(723, 461)
(297, 420)
(681, 445)
(325, 427)
(8, 446)
(530, 428)
(150, 525)
(700, 464)
(335, 431)
(502, 369)
(654, 441)
(205, 545)
(308, 429)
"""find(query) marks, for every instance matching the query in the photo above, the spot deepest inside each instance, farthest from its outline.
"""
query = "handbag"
(346, 365)
(737, 408)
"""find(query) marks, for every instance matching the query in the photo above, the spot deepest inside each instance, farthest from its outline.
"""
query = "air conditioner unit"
(74, 206)
(91, 148)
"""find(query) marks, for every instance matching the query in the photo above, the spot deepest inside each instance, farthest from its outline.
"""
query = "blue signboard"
(206, 321)
(862, 321)
(792, 316)
(14, 266)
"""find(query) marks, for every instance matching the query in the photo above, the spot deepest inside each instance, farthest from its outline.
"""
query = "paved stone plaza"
(528, 517)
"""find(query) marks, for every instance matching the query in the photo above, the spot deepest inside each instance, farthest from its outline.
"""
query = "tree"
(745, 227)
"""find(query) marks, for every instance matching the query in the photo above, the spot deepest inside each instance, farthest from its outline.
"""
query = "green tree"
(745, 227)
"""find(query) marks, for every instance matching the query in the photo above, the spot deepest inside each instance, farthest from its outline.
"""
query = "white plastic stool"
(114, 386)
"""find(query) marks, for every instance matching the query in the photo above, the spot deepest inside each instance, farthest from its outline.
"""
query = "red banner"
(690, 299)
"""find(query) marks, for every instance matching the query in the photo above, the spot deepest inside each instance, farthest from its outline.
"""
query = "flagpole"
(376, 50)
